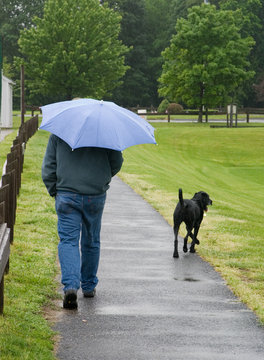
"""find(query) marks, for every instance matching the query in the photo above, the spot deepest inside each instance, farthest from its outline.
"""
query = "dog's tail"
(181, 198)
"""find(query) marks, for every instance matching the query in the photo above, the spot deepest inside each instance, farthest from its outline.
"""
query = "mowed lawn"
(31, 285)
(229, 165)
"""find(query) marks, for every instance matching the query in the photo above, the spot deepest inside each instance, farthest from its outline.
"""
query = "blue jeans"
(79, 226)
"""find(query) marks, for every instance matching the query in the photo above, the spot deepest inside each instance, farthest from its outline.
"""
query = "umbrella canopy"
(94, 123)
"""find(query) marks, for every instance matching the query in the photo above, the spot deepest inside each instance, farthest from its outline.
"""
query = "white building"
(6, 116)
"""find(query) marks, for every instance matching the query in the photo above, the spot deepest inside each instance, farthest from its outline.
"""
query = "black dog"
(191, 212)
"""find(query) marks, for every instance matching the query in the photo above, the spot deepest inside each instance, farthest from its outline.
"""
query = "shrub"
(174, 108)
(163, 106)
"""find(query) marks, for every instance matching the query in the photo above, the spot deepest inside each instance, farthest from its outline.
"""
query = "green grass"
(229, 165)
(30, 287)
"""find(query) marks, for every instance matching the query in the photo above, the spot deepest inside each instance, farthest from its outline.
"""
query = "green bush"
(163, 106)
(174, 108)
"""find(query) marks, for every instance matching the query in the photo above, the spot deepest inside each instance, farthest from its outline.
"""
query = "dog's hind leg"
(176, 230)
(185, 240)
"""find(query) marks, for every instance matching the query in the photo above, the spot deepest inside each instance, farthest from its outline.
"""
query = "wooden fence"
(9, 190)
(251, 111)
(245, 111)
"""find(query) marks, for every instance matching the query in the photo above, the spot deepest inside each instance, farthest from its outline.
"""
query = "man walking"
(79, 180)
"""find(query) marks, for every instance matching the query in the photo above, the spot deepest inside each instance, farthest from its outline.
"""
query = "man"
(79, 180)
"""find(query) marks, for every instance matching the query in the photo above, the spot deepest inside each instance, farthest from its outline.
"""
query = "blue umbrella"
(94, 123)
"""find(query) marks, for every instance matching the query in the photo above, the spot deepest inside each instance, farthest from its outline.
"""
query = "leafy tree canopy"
(73, 50)
(252, 24)
(180, 8)
(159, 27)
(15, 15)
(135, 88)
(207, 59)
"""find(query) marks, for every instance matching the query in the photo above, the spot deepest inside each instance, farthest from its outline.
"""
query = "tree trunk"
(200, 116)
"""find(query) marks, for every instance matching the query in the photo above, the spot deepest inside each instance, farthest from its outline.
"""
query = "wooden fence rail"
(9, 189)
(245, 111)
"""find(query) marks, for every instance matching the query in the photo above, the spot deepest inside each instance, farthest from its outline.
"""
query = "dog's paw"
(192, 250)
(175, 254)
(197, 241)
(185, 249)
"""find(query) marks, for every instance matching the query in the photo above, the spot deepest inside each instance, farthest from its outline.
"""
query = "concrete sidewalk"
(151, 306)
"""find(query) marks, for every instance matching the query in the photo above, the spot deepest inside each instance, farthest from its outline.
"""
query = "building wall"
(6, 103)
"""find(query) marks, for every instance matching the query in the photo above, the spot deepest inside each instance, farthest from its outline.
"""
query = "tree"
(16, 15)
(206, 62)
(74, 50)
(159, 27)
(134, 90)
(252, 23)
(180, 8)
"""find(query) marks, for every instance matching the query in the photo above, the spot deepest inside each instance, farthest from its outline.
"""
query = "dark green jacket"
(85, 170)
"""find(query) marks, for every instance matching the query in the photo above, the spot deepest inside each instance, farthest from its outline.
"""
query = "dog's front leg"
(194, 239)
(189, 228)
(175, 253)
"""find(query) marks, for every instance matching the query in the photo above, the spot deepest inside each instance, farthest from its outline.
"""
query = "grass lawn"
(229, 165)
(30, 285)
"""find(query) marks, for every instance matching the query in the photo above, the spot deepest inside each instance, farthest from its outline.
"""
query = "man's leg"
(69, 226)
(93, 207)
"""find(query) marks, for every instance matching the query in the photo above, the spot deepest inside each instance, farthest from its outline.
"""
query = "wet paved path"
(150, 306)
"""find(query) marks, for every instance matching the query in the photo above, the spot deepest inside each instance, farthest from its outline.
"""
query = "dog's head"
(204, 199)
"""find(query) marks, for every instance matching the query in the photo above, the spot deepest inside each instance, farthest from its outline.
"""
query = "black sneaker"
(89, 294)
(70, 299)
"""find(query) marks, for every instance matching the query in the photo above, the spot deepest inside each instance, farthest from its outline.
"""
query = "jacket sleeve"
(115, 160)
(49, 166)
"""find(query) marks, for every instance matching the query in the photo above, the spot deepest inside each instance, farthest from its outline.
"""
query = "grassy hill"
(229, 165)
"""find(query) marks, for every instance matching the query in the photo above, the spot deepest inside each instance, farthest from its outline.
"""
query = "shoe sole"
(90, 294)
(70, 301)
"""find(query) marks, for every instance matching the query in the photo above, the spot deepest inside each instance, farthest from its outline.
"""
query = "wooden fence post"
(4, 253)
(9, 189)
(22, 99)
(247, 116)
(10, 180)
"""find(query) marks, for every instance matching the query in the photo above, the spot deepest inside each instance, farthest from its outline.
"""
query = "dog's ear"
(204, 196)
(199, 194)
(206, 200)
